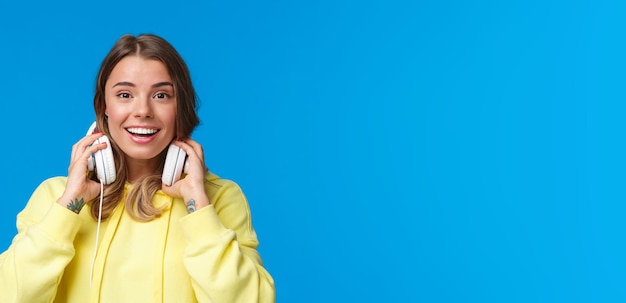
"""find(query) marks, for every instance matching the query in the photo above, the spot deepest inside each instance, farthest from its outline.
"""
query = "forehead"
(138, 70)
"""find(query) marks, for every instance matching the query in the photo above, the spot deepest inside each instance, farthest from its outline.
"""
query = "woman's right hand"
(79, 189)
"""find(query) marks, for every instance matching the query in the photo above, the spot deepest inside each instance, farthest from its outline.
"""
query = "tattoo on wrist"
(191, 206)
(76, 205)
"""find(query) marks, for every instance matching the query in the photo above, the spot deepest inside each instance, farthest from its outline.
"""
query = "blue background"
(391, 151)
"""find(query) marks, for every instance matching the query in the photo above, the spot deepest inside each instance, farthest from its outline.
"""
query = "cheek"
(116, 110)
(113, 115)
(168, 116)
(109, 108)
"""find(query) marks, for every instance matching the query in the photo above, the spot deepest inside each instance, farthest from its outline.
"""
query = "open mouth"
(142, 132)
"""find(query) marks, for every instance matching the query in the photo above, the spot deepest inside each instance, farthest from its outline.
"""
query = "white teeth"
(141, 131)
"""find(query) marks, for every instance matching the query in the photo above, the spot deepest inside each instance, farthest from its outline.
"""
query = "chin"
(144, 154)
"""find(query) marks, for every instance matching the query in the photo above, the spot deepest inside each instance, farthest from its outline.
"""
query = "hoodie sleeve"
(32, 266)
(221, 256)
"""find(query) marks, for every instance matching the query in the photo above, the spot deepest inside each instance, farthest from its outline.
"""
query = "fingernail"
(96, 133)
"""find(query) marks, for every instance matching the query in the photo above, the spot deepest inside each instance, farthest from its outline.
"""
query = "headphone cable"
(95, 249)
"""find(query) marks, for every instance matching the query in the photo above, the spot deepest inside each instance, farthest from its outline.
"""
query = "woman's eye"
(124, 95)
(161, 95)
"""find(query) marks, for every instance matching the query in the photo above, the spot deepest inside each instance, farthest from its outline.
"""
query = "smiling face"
(141, 109)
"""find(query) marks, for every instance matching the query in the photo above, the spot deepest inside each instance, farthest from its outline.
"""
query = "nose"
(143, 108)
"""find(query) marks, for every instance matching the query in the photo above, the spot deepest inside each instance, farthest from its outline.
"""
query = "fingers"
(78, 185)
(83, 149)
(195, 166)
(83, 143)
(192, 185)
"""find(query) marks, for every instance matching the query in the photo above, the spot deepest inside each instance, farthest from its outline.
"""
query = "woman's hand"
(79, 189)
(191, 187)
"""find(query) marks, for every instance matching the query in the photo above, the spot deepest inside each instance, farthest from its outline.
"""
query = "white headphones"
(102, 161)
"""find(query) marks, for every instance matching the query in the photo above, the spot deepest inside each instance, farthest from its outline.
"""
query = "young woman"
(115, 230)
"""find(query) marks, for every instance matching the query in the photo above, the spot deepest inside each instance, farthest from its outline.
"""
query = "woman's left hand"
(191, 187)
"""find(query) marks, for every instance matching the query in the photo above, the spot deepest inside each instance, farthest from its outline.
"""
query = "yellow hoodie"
(206, 256)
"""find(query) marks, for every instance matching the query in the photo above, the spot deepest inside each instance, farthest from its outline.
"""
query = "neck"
(139, 169)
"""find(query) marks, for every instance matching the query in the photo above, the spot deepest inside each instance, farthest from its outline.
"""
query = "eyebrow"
(159, 84)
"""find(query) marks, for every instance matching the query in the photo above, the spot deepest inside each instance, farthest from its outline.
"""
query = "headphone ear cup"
(105, 165)
(174, 164)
